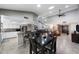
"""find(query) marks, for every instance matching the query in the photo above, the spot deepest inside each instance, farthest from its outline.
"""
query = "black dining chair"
(36, 46)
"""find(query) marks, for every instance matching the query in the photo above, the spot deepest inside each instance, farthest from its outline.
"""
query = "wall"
(71, 18)
(13, 19)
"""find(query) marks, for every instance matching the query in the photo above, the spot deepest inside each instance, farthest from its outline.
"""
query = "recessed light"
(38, 5)
(51, 7)
(67, 6)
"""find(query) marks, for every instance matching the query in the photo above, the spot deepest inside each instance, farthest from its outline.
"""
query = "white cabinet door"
(8, 22)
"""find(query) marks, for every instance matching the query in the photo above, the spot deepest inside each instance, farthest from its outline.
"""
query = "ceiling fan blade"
(60, 14)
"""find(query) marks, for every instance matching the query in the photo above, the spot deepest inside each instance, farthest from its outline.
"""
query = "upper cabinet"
(14, 22)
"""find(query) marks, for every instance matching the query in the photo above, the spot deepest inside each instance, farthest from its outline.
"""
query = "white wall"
(71, 18)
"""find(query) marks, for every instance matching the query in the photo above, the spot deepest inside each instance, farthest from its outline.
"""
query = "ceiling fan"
(60, 14)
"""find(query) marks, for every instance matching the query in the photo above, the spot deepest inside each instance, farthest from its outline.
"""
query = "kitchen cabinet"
(7, 23)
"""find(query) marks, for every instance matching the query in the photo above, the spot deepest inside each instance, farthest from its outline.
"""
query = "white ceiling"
(43, 10)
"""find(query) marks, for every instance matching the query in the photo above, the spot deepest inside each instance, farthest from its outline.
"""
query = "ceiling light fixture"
(38, 5)
(66, 6)
(51, 7)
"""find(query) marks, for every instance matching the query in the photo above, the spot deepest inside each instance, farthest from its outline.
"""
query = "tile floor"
(10, 46)
(64, 46)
